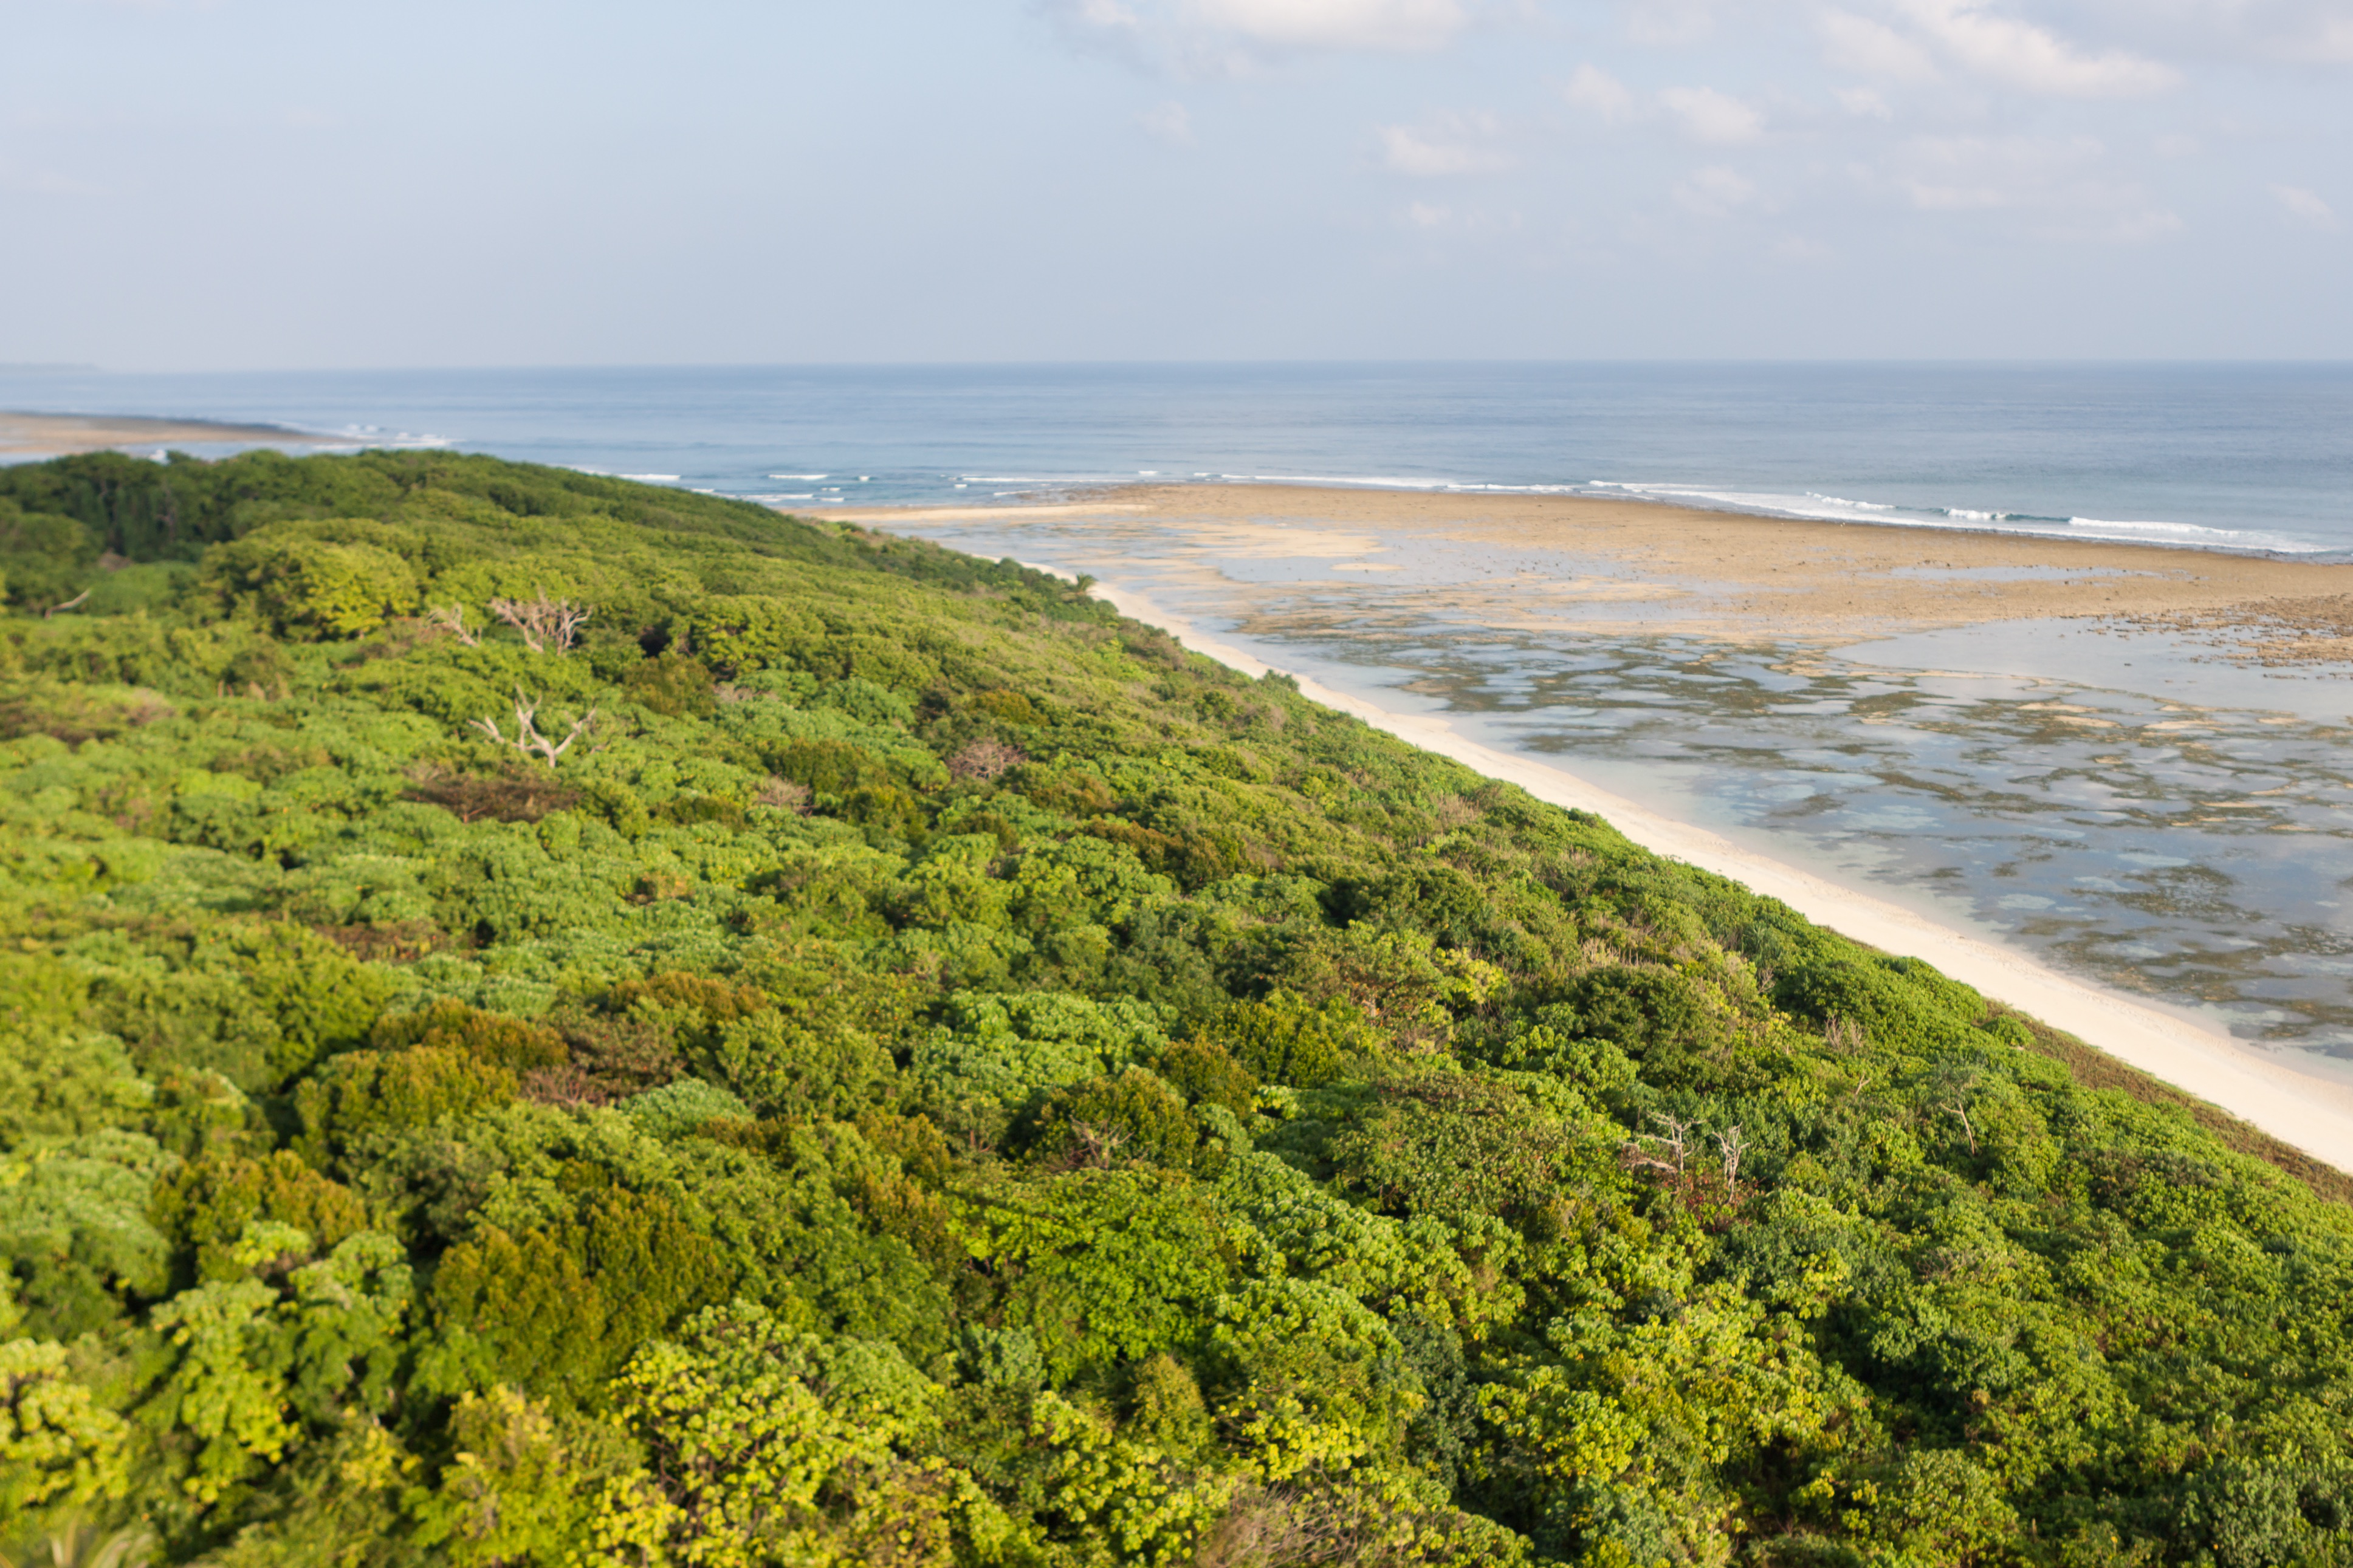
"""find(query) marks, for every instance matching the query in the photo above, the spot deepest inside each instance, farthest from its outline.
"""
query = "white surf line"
(2313, 1114)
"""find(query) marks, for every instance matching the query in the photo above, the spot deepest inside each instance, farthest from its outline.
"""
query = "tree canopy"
(549, 1021)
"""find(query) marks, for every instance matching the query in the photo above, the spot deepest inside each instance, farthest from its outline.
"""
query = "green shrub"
(1282, 1039)
(1129, 1115)
(1205, 1072)
(313, 589)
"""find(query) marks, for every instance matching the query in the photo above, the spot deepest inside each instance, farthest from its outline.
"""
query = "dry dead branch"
(547, 625)
(451, 618)
(527, 740)
(74, 602)
(1675, 1139)
(984, 760)
(1730, 1143)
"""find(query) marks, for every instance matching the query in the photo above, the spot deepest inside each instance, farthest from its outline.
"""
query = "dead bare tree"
(527, 739)
(1675, 1140)
(451, 618)
(1960, 1108)
(72, 603)
(1730, 1143)
(547, 625)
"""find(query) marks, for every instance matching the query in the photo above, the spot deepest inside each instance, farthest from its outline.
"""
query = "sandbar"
(58, 435)
(1647, 567)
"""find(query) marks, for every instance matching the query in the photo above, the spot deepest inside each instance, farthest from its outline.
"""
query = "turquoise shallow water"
(2130, 812)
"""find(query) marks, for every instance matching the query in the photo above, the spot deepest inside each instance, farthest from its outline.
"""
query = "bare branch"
(547, 625)
(1675, 1139)
(451, 618)
(70, 604)
(1731, 1146)
(1960, 1108)
(528, 740)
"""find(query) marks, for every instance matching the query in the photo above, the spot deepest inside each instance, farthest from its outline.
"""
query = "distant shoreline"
(62, 434)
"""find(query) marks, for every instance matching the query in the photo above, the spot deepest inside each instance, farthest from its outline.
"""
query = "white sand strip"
(2314, 1114)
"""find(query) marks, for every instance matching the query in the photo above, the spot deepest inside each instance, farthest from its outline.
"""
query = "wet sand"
(58, 435)
(1649, 567)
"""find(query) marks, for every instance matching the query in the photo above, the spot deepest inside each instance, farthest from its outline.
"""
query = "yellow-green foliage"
(936, 1074)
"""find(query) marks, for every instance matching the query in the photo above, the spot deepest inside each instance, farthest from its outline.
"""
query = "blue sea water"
(2243, 456)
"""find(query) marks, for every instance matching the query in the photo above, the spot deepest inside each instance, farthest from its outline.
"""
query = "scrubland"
(552, 1021)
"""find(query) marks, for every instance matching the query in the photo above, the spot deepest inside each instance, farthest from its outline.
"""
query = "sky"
(220, 185)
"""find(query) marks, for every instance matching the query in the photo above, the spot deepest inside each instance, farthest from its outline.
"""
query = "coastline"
(2313, 1114)
(1660, 567)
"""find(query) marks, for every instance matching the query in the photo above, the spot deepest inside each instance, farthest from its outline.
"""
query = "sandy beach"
(1641, 567)
(56, 435)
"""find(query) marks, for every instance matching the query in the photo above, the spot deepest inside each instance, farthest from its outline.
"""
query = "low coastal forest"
(551, 1021)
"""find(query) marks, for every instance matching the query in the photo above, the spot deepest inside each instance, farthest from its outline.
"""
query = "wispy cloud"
(2054, 187)
(1599, 93)
(1670, 24)
(1404, 25)
(2017, 52)
(2306, 207)
(1445, 144)
(1716, 118)
(1873, 48)
(1713, 192)
(1220, 37)
(1169, 123)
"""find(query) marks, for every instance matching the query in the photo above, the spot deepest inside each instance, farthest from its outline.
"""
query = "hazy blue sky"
(224, 184)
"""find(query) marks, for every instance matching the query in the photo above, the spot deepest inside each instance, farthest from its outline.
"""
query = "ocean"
(2241, 456)
(2124, 810)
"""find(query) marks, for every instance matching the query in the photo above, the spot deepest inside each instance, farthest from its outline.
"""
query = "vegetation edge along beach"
(550, 1020)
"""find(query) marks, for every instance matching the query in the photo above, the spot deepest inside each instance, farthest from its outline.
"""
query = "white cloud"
(1597, 93)
(2055, 186)
(1859, 44)
(1712, 117)
(1863, 102)
(18, 180)
(1971, 174)
(1232, 37)
(2023, 54)
(2303, 32)
(1421, 215)
(2306, 207)
(1670, 24)
(1386, 25)
(1445, 144)
(1170, 123)
(1713, 192)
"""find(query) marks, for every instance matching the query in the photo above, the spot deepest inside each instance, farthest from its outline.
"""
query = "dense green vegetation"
(934, 1073)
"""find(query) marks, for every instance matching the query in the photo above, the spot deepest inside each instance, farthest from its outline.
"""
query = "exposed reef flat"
(1644, 566)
